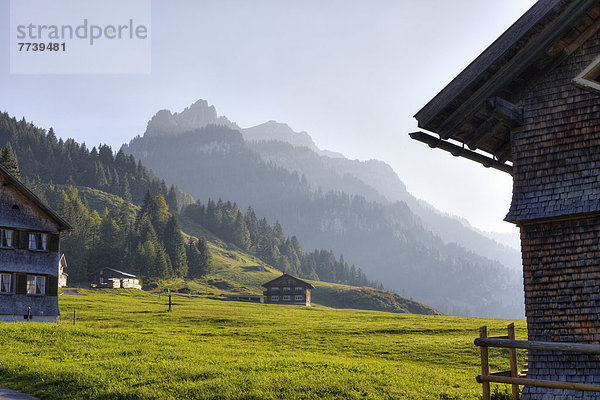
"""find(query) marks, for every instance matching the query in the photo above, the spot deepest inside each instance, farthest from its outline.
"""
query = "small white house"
(115, 279)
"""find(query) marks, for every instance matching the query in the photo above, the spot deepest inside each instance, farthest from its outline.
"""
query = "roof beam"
(478, 134)
(528, 54)
(458, 151)
(503, 151)
(506, 110)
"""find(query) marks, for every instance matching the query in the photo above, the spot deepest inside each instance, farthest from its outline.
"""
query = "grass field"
(126, 345)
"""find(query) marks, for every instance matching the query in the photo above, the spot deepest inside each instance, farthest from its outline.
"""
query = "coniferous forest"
(257, 237)
(135, 228)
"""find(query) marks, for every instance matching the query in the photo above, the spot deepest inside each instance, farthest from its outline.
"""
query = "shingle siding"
(556, 203)
(557, 154)
(562, 299)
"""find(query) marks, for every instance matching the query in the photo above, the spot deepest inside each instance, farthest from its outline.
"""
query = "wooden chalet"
(29, 254)
(114, 279)
(287, 289)
(529, 105)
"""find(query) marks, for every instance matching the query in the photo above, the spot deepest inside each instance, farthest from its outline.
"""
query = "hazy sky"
(351, 73)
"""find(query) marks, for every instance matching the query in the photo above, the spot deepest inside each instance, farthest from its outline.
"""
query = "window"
(274, 298)
(5, 281)
(36, 284)
(299, 288)
(38, 241)
(287, 289)
(286, 297)
(589, 78)
(298, 297)
(275, 288)
(6, 238)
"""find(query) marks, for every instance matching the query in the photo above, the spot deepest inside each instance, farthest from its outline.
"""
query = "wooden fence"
(512, 377)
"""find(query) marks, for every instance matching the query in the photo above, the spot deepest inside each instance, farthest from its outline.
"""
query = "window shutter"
(53, 242)
(16, 242)
(21, 286)
(23, 241)
(52, 285)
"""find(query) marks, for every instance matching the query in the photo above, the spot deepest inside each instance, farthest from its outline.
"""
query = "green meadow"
(126, 345)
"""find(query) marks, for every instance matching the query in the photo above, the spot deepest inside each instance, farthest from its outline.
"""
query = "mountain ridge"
(398, 244)
(197, 115)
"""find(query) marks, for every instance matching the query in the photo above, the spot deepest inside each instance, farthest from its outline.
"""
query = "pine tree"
(199, 258)
(175, 247)
(8, 159)
(171, 199)
(151, 259)
(240, 234)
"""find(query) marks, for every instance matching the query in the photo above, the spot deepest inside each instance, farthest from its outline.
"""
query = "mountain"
(114, 226)
(196, 116)
(273, 129)
(336, 203)
(277, 131)
(377, 181)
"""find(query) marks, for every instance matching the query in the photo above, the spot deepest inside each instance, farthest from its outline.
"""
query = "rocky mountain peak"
(196, 116)
(273, 130)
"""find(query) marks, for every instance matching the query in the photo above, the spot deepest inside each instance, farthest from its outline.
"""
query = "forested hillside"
(376, 181)
(388, 241)
(97, 192)
(255, 236)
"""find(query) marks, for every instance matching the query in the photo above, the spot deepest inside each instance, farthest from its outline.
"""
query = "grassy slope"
(235, 272)
(126, 346)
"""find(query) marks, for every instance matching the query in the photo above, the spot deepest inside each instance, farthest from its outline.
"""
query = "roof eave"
(62, 224)
(558, 13)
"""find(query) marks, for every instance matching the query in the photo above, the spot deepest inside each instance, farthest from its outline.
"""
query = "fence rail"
(512, 377)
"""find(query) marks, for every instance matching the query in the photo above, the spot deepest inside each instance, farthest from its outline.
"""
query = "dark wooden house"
(529, 105)
(287, 290)
(29, 254)
(115, 279)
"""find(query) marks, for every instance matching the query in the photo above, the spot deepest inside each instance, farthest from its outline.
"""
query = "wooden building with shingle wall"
(29, 254)
(287, 289)
(529, 105)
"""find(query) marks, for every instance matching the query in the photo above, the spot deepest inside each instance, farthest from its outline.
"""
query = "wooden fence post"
(170, 302)
(74, 316)
(485, 368)
(513, 361)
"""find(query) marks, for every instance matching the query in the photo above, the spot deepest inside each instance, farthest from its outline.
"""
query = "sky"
(351, 73)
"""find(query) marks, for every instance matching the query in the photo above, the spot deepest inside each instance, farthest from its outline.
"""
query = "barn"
(529, 105)
(29, 254)
(287, 289)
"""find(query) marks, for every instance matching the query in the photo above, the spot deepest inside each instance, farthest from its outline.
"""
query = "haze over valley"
(359, 209)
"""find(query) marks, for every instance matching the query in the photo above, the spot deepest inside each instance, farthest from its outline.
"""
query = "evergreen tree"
(199, 258)
(175, 247)
(240, 235)
(8, 159)
(151, 259)
(171, 199)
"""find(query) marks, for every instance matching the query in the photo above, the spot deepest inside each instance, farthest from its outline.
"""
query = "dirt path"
(7, 394)
(71, 292)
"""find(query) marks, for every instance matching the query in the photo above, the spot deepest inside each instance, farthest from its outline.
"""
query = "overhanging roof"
(9, 179)
(477, 107)
(288, 276)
